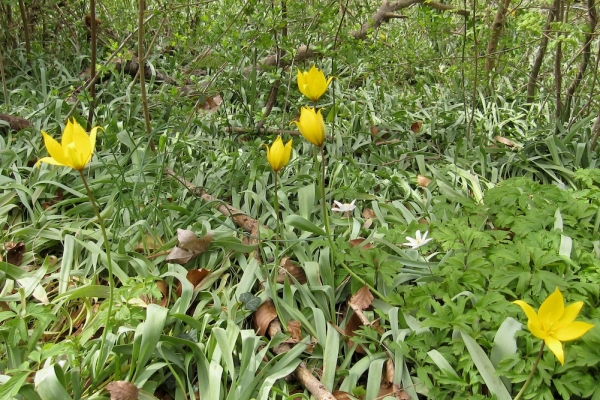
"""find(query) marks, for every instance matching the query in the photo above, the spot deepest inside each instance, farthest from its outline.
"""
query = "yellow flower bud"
(311, 125)
(312, 83)
(279, 155)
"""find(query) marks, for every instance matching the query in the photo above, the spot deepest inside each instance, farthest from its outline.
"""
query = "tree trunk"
(497, 29)
(539, 57)
(586, 53)
(558, 61)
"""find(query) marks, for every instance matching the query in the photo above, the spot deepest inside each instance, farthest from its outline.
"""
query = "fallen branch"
(304, 376)
(243, 221)
(386, 12)
(15, 123)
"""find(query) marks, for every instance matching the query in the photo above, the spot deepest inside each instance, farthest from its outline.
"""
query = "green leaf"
(485, 368)
(303, 224)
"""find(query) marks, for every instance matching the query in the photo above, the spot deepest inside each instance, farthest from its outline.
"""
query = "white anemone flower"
(417, 241)
(343, 207)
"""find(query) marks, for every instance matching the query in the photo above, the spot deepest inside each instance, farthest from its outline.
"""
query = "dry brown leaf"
(339, 395)
(368, 223)
(179, 256)
(423, 180)
(361, 299)
(374, 130)
(14, 252)
(358, 243)
(368, 213)
(147, 244)
(353, 324)
(263, 316)
(393, 391)
(387, 379)
(295, 331)
(195, 276)
(505, 141)
(190, 242)
(212, 104)
(287, 266)
(162, 286)
(122, 390)
(416, 126)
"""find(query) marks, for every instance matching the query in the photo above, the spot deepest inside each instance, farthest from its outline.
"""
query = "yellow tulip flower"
(76, 147)
(311, 125)
(279, 155)
(312, 83)
(554, 323)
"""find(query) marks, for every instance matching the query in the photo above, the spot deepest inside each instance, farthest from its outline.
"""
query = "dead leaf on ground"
(393, 391)
(358, 243)
(353, 324)
(339, 395)
(195, 276)
(368, 213)
(211, 104)
(295, 332)
(146, 299)
(189, 246)
(148, 243)
(263, 317)
(505, 141)
(122, 390)
(288, 267)
(374, 130)
(179, 256)
(423, 180)
(190, 242)
(416, 126)
(361, 299)
(387, 379)
(14, 252)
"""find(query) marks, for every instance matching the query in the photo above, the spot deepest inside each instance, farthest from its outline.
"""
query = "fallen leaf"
(423, 180)
(387, 379)
(179, 256)
(295, 331)
(374, 130)
(505, 141)
(148, 243)
(353, 324)
(339, 395)
(416, 126)
(358, 243)
(195, 276)
(368, 223)
(288, 267)
(262, 317)
(14, 252)
(361, 299)
(368, 213)
(122, 390)
(212, 104)
(190, 242)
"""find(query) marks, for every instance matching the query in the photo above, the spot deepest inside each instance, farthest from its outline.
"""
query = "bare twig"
(93, 42)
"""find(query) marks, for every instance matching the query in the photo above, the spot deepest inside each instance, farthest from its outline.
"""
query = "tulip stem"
(111, 282)
(272, 279)
(533, 369)
(330, 238)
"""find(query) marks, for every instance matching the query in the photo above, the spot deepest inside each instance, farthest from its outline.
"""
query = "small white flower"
(343, 207)
(418, 241)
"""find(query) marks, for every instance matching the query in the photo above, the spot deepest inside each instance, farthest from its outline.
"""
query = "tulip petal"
(529, 311)
(568, 316)
(49, 160)
(557, 348)
(572, 331)
(537, 329)
(55, 150)
(552, 309)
